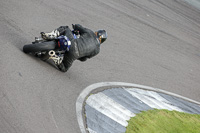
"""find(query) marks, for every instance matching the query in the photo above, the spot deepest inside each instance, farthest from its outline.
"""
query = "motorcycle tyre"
(39, 47)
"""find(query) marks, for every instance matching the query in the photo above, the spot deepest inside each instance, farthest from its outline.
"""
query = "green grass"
(164, 121)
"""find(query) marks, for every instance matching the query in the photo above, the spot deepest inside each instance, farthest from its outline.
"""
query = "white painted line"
(110, 108)
(91, 131)
(159, 98)
(147, 100)
(152, 100)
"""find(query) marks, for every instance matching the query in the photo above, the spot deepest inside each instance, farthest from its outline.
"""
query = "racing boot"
(57, 60)
(50, 36)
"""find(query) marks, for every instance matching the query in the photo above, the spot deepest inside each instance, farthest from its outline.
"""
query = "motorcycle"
(50, 49)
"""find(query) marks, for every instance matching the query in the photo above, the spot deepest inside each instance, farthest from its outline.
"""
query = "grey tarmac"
(153, 43)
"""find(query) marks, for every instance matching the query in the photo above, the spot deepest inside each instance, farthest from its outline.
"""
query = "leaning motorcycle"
(50, 49)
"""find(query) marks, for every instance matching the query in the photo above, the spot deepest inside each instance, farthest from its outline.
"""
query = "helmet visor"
(104, 34)
(102, 40)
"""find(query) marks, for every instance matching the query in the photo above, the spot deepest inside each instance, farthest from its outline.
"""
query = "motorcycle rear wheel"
(39, 47)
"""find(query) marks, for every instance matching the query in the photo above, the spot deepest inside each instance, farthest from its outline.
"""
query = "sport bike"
(50, 49)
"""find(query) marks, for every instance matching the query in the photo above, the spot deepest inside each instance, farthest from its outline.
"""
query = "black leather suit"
(86, 46)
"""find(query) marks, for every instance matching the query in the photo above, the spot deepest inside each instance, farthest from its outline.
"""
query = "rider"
(82, 48)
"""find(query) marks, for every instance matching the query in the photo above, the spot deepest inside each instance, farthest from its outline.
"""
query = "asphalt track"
(153, 43)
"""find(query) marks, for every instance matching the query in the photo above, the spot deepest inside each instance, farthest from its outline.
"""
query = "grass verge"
(164, 121)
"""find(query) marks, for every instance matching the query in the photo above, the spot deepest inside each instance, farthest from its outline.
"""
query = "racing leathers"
(82, 48)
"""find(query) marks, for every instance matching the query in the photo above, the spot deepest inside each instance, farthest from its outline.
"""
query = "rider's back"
(88, 45)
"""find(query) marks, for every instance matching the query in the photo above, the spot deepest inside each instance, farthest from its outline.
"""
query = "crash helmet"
(101, 35)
